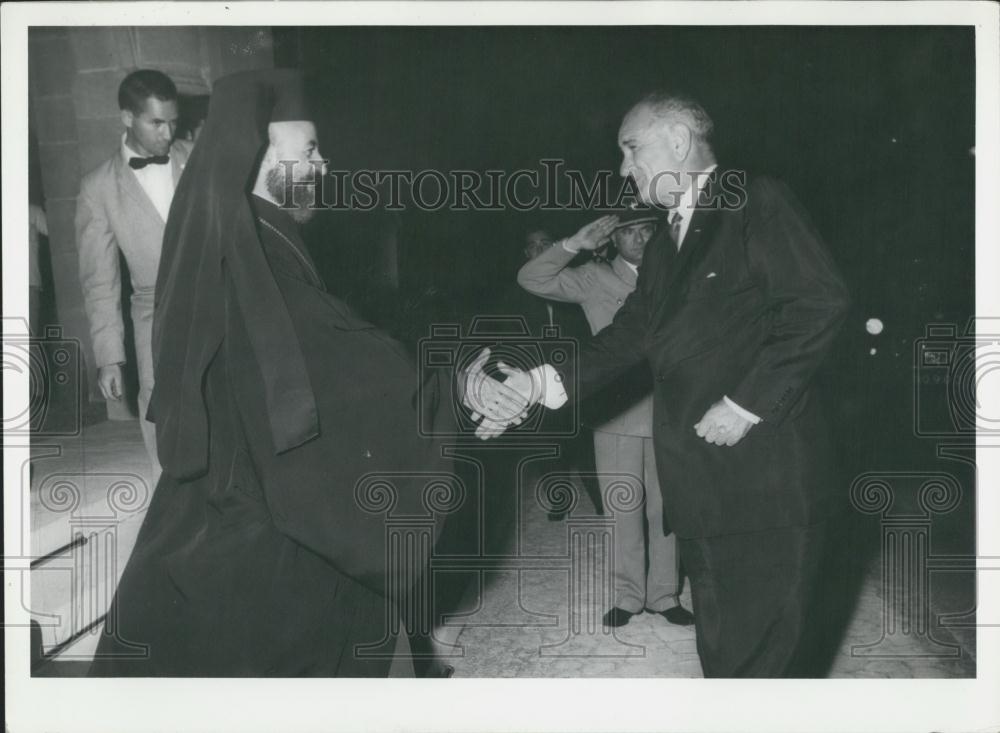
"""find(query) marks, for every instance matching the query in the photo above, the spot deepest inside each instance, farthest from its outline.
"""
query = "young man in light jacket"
(122, 208)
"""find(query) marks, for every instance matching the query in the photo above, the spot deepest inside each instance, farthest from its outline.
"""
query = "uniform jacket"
(600, 289)
(748, 309)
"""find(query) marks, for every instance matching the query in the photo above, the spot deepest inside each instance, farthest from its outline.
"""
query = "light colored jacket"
(114, 213)
(600, 289)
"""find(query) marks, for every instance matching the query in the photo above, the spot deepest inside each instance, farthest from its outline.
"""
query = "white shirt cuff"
(565, 246)
(745, 414)
(547, 381)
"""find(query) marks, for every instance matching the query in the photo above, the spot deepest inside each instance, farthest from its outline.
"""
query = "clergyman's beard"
(295, 197)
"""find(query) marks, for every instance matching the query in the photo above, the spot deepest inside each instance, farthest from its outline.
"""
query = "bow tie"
(140, 163)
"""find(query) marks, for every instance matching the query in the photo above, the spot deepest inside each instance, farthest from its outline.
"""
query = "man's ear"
(127, 118)
(680, 139)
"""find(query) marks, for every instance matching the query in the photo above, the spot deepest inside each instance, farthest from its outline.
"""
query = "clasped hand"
(497, 405)
(722, 425)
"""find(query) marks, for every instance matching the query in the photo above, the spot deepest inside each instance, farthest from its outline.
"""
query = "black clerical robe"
(276, 563)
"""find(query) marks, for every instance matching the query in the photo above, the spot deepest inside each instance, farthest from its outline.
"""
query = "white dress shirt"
(688, 203)
(156, 180)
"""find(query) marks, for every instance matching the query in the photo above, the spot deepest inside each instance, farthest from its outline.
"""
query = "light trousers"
(646, 565)
(142, 322)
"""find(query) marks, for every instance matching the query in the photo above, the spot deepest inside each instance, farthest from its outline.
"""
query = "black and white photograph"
(633, 366)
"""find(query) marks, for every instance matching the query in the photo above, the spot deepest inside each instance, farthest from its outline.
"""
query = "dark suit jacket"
(747, 309)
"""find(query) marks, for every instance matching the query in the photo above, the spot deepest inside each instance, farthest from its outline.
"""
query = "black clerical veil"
(210, 233)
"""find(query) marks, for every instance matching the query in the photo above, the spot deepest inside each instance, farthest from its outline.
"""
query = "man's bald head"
(663, 138)
(672, 108)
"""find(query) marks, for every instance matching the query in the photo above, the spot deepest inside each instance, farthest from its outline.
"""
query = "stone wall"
(74, 73)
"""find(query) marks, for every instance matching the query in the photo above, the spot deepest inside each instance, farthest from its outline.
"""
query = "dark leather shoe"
(444, 670)
(617, 617)
(677, 615)
(434, 668)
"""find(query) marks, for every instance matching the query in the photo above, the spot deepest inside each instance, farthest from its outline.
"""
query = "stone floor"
(96, 485)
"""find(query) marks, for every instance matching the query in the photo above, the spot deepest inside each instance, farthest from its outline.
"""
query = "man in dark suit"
(735, 307)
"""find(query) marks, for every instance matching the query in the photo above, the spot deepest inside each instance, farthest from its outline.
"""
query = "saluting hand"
(593, 235)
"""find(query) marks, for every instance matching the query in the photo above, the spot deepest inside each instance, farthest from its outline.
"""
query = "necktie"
(140, 163)
(675, 228)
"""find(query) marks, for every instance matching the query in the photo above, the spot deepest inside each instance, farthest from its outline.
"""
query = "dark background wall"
(872, 127)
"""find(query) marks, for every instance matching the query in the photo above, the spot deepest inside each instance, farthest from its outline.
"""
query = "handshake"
(497, 405)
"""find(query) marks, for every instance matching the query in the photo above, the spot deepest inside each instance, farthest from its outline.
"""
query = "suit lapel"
(694, 247)
(130, 187)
